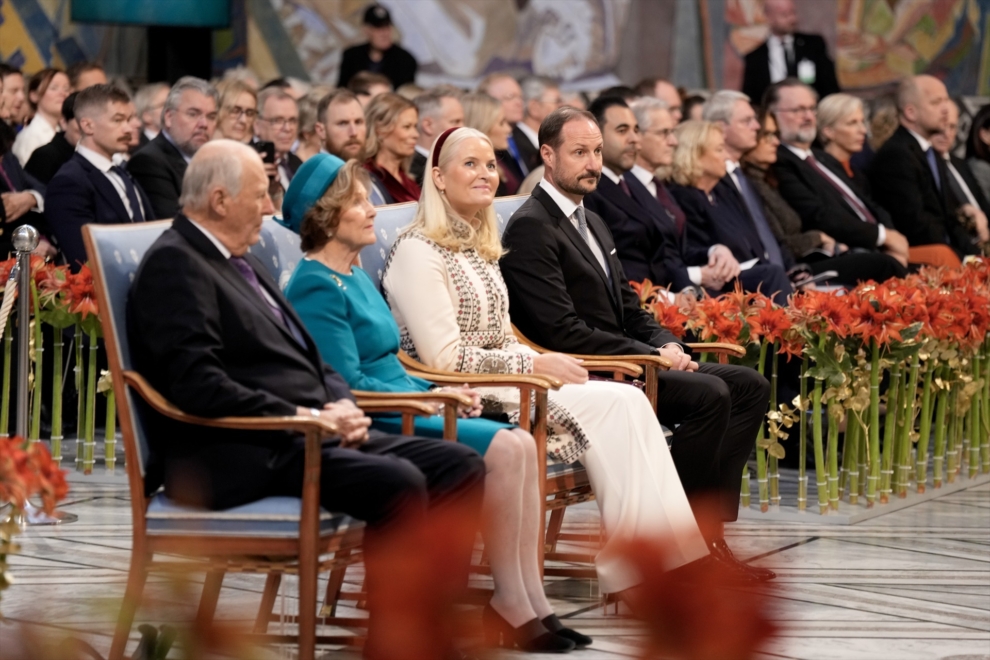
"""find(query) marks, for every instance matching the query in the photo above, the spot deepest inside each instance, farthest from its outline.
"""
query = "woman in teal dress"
(327, 204)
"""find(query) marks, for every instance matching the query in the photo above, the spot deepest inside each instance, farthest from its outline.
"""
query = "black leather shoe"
(721, 550)
(553, 624)
(530, 636)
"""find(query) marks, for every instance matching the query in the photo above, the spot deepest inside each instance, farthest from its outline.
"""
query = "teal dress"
(356, 334)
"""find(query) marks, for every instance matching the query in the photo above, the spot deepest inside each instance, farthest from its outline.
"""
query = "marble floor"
(911, 585)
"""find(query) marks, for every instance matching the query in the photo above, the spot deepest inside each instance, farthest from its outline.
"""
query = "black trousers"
(717, 412)
(855, 267)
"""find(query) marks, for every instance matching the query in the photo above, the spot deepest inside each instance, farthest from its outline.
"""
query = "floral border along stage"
(923, 338)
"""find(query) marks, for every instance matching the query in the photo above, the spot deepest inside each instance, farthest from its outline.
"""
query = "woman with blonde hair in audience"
(238, 110)
(46, 91)
(327, 204)
(484, 113)
(390, 145)
(309, 143)
(443, 283)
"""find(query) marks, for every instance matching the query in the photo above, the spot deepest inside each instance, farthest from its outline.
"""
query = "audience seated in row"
(47, 159)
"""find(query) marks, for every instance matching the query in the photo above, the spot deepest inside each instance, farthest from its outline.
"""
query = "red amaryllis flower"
(670, 317)
(82, 295)
(769, 323)
(28, 472)
(822, 311)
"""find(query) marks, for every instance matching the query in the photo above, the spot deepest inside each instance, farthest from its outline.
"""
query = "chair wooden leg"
(268, 597)
(309, 529)
(136, 578)
(539, 432)
(211, 594)
(334, 584)
(553, 529)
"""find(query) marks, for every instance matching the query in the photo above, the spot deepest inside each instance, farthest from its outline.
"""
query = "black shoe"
(553, 624)
(530, 636)
(720, 549)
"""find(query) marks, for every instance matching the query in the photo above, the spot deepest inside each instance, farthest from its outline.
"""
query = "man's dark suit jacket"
(22, 181)
(560, 297)
(79, 195)
(510, 176)
(159, 168)
(756, 76)
(417, 167)
(212, 346)
(646, 240)
(820, 205)
(47, 159)
(529, 153)
(903, 184)
(974, 186)
(398, 65)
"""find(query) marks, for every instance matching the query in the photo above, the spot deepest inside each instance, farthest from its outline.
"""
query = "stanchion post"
(25, 240)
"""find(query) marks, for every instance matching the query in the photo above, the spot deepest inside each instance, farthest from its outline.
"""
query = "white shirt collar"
(422, 151)
(731, 166)
(99, 161)
(530, 133)
(566, 206)
(644, 175)
(611, 175)
(213, 239)
(922, 142)
(798, 151)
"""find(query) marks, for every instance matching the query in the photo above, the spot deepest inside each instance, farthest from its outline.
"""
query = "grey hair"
(186, 83)
(145, 95)
(213, 166)
(834, 108)
(720, 106)
(428, 103)
(534, 87)
(643, 108)
(272, 93)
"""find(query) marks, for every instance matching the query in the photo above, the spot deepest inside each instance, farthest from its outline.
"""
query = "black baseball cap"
(377, 16)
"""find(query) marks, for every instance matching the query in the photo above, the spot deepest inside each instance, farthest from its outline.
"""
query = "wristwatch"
(315, 412)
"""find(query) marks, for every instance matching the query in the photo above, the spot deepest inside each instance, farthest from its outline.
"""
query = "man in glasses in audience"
(278, 123)
(189, 119)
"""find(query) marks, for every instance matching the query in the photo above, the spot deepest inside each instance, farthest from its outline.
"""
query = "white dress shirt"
(567, 207)
(803, 155)
(36, 134)
(425, 153)
(778, 55)
(533, 136)
(922, 142)
(103, 164)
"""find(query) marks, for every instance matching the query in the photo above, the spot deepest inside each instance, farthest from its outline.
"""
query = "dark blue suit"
(78, 195)
(21, 181)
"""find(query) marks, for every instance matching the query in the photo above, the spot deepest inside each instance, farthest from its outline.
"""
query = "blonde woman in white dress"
(446, 292)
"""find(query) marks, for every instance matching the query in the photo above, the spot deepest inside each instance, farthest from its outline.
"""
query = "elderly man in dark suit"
(188, 121)
(90, 187)
(210, 329)
(788, 54)
(963, 186)
(569, 293)
(908, 177)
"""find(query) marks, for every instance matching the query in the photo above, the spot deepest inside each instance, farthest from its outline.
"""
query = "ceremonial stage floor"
(911, 585)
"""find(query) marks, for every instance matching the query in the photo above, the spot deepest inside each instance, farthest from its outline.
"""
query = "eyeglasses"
(194, 115)
(663, 133)
(237, 112)
(281, 122)
(766, 135)
(800, 110)
(510, 97)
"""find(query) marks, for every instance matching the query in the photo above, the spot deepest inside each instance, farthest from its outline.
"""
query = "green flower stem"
(862, 459)
(973, 419)
(744, 494)
(772, 461)
(8, 340)
(110, 438)
(921, 464)
(80, 397)
(910, 402)
(761, 452)
(803, 439)
(952, 450)
(57, 346)
(938, 451)
(985, 417)
(890, 425)
(850, 454)
(89, 454)
(816, 427)
(873, 478)
(833, 457)
(34, 431)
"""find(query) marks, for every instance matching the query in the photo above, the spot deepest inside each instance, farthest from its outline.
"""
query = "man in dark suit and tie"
(541, 96)
(211, 331)
(90, 188)
(965, 190)
(46, 160)
(189, 118)
(569, 293)
(278, 123)
(439, 108)
(907, 175)
(788, 54)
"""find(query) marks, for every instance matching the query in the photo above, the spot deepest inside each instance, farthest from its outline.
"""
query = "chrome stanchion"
(25, 240)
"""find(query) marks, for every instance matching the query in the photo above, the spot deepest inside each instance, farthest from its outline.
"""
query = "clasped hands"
(722, 268)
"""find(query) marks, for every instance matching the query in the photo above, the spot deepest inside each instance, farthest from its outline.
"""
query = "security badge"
(806, 72)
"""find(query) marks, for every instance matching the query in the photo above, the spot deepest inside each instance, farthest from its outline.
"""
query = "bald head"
(781, 16)
(225, 189)
(923, 105)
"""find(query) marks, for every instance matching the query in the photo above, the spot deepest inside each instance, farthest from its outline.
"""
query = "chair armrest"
(639, 360)
(719, 347)
(287, 423)
(396, 404)
(620, 366)
(427, 397)
(538, 381)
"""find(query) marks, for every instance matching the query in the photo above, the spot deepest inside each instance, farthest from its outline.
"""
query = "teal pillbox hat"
(308, 185)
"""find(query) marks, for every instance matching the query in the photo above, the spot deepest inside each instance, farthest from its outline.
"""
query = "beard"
(579, 184)
(805, 135)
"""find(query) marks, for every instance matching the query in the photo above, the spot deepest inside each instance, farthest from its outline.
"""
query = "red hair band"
(439, 144)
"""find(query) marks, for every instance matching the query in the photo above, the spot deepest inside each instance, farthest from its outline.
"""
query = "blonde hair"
(834, 108)
(381, 116)
(435, 218)
(692, 140)
(480, 111)
(883, 122)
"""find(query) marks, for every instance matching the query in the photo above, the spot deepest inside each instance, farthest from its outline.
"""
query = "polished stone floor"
(911, 585)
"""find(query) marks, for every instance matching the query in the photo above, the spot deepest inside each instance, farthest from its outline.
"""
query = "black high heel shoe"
(553, 624)
(530, 636)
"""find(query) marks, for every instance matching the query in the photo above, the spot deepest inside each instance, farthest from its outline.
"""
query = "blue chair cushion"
(273, 517)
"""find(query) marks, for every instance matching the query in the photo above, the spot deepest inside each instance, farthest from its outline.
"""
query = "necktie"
(956, 183)
(514, 150)
(933, 166)
(789, 55)
(586, 235)
(137, 213)
(625, 187)
(244, 268)
(674, 212)
(852, 200)
(753, 203)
